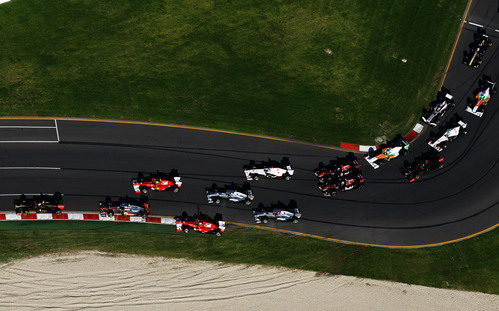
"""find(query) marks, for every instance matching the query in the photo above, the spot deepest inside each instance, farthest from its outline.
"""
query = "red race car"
(157, 182)
(201, 223)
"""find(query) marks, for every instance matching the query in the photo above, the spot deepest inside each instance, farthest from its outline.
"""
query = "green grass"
(249, 65)
(469, 265)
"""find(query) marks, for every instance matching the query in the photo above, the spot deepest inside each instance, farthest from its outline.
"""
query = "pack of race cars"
(337, 176)
(340, 175)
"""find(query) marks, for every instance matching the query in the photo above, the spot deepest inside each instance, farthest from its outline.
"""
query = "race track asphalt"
(98, 159)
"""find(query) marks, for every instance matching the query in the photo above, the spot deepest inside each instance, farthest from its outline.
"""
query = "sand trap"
(102, 281)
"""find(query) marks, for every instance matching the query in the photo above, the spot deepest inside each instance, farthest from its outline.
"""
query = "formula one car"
(269, 169)
(334, 185)
(431, 161)
(43, 203)
(449, 134)
(385, 154)
(156, 182)
(231, 193)
(125, 206)
(474, 57)
(438, 108)
(201, 223)
(280, 212)
(338, 167)
(483, 98)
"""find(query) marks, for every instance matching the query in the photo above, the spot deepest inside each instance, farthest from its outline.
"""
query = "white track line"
(57, 130)
(28, 141)
(481, 26)
(26, 127)
(4, 1)
(474, 24)
(16, 194)
(28, 168)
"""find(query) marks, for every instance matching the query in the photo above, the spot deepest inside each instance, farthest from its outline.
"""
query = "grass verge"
(254, 66)
(469, 265)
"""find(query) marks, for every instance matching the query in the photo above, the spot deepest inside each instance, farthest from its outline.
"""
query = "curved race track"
(97, 159)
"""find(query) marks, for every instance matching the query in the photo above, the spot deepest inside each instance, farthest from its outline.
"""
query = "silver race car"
(269, 169)
(231, 193)
(447, 135)
(279, 212)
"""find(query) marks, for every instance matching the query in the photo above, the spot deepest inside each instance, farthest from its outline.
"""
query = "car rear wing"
(221, 226)
(177, 181)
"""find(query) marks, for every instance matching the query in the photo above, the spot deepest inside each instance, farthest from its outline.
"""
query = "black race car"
(443, 103)
(474, 57)
(339, 167)
(43, 203)
(331, 186)
(428, 162)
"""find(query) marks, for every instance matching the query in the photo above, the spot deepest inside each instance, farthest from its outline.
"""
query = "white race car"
(448, 135)
(443, 103)
(483, 98)
(385, 154)
(269, 169)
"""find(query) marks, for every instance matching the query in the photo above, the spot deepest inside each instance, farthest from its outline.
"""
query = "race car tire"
(265, 220)
(218, 233)
(255, 177)
(295, 221)
(186, 229)
(247, 202)
(176, 189)
(143, 190)
(59, 212)
(110, 213)
(287, 177)
(217, 201)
